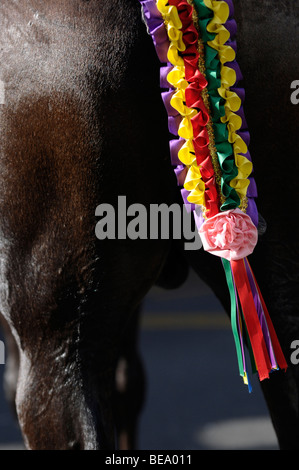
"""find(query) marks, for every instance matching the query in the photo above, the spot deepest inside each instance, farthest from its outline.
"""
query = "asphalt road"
(195, 398)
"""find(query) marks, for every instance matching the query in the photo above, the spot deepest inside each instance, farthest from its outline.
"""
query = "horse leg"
(276, 265)
(12, 363)
(130, 384)
(54, 406)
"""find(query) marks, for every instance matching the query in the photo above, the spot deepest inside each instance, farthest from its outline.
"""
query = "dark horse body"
(82, 123)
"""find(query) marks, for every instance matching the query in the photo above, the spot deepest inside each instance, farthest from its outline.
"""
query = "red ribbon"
(259, 348)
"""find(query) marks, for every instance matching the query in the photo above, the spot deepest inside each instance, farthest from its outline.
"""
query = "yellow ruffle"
(195, 185)
(176, 77)
(186, 153)
(216, 26)
(228, 76)
(232, 101)
(178, 103)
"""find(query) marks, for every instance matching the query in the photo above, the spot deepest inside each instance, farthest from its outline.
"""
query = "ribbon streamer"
(249, 313)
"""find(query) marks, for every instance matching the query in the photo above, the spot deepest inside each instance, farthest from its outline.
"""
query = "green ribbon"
(233, 315)
(234, 324)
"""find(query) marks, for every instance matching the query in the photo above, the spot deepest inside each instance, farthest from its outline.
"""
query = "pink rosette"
(230, 235)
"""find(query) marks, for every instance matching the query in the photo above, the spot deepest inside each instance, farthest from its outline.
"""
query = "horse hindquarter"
(71, 138)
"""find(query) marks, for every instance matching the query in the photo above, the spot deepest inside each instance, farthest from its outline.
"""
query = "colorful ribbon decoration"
(195, 41)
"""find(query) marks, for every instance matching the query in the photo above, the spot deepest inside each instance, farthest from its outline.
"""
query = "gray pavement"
(195, 398)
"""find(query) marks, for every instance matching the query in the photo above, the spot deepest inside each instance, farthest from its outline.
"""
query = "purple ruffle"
(175, 145)
(156, 28)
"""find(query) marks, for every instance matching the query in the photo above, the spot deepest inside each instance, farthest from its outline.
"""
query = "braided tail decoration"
(195, 41)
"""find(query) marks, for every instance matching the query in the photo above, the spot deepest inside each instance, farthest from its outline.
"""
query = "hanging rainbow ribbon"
(196, 42)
